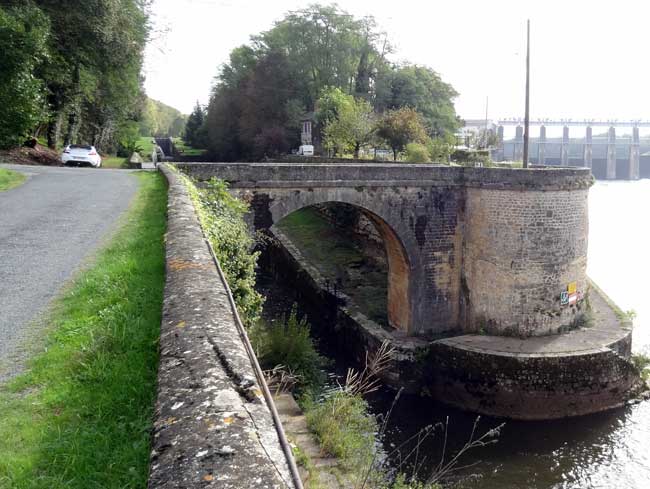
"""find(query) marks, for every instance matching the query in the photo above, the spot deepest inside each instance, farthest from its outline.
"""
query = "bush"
(417, 153)
(222, 218)
(344, 428)
(288, 343)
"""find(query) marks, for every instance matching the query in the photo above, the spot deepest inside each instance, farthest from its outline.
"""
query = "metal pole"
(527, 116)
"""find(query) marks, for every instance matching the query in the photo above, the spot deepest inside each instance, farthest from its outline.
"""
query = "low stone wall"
(212, 427)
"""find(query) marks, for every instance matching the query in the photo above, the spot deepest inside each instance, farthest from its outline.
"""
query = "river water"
(602, 451)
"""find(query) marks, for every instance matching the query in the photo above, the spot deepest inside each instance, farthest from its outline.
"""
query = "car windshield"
(80, 146)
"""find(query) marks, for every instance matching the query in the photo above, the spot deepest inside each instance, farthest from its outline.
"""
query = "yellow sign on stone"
(573, 288)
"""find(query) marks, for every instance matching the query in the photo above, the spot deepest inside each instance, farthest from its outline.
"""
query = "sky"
(589, 59)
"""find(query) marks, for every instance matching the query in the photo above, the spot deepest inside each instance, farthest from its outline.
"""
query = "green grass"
(81, 416)
(10, 179)
(146, 147)
(187, 150)
(335, 255)
(114, 162)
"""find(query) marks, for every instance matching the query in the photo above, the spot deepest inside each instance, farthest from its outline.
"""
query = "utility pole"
(527, 115)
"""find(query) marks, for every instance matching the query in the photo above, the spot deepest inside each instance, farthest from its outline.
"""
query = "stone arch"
(274, 208)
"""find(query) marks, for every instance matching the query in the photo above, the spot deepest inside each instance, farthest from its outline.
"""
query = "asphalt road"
(48, 227)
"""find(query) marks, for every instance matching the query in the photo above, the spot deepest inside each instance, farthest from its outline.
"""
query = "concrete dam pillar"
(541, 146)
(564, 152)
(519, 144)
(499, 152)
(589, 150)
(611, 154)
(633, 172)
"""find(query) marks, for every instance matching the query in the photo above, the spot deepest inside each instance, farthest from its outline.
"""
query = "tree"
(420, 88)
(400, 127)
(194, 128)
(23, 37)
(353, 126)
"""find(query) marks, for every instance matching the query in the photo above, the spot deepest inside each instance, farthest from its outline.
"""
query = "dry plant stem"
(486, 439)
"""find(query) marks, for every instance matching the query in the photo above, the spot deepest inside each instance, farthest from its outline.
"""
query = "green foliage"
(128, 138)
(160, 120)
(222, 218)
(440, 148)
(195, 129)
(289, 344)
(317, 54)
(400, 127)
(82, 415)
(642, 363)
(344, 428)
(23, 37)
(417, 153)
(422, 89)
(350, 125)
(10, 179)
(471, 157)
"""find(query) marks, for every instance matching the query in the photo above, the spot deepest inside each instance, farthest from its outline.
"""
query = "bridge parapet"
(243, 175)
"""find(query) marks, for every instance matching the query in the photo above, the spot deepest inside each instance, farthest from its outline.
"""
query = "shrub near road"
(81, 416)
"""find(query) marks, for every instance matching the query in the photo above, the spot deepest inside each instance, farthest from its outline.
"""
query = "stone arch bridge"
(469, 249)
(488, 292)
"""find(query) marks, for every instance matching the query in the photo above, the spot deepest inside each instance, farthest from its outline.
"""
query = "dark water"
(605, 451)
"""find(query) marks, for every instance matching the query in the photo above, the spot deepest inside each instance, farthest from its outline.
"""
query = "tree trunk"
(54, 130)
(394, 154)
(356, 151)
(73, 116)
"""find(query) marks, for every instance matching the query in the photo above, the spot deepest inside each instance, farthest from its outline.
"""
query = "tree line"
(70, 71)
(324, 62)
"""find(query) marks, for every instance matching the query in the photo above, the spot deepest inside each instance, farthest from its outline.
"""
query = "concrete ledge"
(212, 427)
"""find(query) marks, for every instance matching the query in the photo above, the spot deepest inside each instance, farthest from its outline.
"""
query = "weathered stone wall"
(461, 242)
(212, 427)
(521, 250)
(584, 371)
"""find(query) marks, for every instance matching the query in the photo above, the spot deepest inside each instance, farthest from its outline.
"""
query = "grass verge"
(114, 162)
(10, 179)
(81, 416)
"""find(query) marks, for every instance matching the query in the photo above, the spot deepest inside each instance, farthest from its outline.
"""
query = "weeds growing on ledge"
(81, 416)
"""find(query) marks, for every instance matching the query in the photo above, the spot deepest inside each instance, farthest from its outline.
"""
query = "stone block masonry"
(468, 249)
(212, 427)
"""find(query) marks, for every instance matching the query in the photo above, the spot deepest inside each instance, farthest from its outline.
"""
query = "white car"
(81, 154)
(306, 150)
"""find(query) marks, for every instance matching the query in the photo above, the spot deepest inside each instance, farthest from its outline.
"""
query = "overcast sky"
(589, 59)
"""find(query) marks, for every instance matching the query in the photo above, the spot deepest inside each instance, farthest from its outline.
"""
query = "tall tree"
(23, 37)
(194, 127)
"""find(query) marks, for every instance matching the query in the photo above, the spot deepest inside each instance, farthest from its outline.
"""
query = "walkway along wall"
(212, 427)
